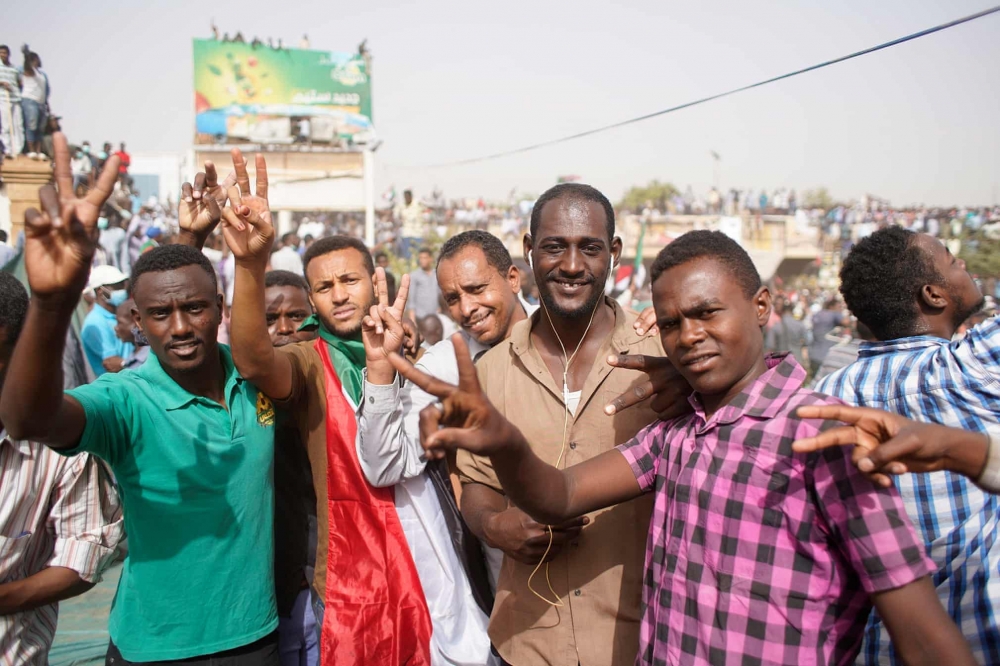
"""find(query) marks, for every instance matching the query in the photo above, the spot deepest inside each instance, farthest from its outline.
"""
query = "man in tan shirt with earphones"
(552, 379)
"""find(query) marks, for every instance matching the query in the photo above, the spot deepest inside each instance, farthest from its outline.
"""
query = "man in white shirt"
(34, 102)
(480, 286)
(82, 168)
(287, 257)
(310, 227)
(11, 120)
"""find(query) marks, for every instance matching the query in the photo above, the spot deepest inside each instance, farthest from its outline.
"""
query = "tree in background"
(981, 255)
(818, 198)
(656, 193)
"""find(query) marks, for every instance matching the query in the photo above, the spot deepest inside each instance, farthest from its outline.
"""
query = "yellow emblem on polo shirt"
(265, 410)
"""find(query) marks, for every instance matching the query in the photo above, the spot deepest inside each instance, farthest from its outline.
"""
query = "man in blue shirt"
(913, 295)
(104, 350)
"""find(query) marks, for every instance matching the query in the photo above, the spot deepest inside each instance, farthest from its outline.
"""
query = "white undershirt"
(572, 400)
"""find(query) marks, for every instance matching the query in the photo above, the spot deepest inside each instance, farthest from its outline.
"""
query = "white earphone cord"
(562, 447)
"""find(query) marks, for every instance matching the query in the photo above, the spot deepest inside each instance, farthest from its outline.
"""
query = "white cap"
(101, 276)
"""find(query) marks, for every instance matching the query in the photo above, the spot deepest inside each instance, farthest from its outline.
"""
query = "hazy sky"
(916, 123)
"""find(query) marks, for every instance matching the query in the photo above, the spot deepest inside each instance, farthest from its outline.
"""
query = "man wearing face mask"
(104, 350)
(127, 331)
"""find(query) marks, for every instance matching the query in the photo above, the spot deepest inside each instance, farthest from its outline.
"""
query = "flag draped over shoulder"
(375, 611)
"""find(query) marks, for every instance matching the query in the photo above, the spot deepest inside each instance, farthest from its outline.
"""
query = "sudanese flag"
(375, 611)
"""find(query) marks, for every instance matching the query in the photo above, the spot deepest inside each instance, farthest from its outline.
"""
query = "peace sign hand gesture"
(257, 203)
(247, 228)
(669, 391)
(464, 418)
(200, 207)
(382, 329)
(60, 241)
(886, 444)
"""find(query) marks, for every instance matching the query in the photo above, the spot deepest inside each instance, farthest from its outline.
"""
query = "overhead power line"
(686, 105)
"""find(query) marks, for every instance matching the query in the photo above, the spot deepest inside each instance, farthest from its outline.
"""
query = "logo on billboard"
(349, 74)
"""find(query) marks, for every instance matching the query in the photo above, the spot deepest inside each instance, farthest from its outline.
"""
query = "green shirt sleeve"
(106, 434)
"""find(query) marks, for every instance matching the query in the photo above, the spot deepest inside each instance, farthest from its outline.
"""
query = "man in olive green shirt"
(190, 441)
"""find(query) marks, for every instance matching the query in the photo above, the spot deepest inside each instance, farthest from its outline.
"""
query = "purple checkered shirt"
(758, 555)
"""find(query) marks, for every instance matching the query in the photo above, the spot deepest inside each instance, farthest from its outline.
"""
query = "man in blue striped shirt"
(913, 294)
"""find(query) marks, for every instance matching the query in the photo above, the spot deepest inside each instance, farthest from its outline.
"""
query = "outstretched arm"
(249, 233)
(59, 246)
(921, 631)
(388, 444)
(886, 444)
(547, 494)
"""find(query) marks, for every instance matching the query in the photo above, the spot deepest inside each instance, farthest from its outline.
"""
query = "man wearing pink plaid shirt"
(756, 554)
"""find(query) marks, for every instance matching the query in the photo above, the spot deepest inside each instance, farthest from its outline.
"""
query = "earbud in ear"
(529, 261)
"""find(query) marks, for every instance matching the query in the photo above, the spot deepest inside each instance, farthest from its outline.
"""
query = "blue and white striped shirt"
(956, 384)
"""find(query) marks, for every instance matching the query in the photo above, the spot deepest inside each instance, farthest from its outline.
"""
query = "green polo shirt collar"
(173, 395)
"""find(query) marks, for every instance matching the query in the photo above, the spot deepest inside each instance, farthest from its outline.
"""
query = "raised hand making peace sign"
(382, 329)
(200, 207)
(60, 241)
(468, 419)
(248, 229)
(257, 203)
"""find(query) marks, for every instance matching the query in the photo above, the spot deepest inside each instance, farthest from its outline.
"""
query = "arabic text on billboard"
(267, 95)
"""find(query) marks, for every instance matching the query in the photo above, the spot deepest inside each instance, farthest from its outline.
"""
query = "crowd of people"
(309, 470)
(780, 201)
(844, 225)
(832, 226)
(255, 42)
(24, 104)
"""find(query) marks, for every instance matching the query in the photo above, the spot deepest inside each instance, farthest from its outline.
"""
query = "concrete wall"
(303, 181)
(166, 168)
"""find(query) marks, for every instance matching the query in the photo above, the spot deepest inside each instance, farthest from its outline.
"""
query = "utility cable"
(827, 63)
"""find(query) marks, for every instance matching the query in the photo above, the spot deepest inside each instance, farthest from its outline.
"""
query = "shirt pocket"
(13, 557)
(768, 531)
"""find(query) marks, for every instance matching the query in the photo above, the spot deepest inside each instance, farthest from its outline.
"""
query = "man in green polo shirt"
(190, 442)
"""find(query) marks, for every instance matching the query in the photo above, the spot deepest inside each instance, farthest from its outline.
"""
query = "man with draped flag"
(370, 603)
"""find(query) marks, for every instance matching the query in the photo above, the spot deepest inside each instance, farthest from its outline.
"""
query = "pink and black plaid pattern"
(757, 555)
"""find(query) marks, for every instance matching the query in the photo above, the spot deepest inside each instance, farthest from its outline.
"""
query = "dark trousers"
(259, 653)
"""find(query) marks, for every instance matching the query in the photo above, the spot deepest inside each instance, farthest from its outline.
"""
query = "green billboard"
(241, 89)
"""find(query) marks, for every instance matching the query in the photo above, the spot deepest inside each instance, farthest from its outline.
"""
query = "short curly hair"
(330, 244)
(169, 258)
(13, 309)
(577, 192)
(493, 248)
(280, 278)
(881, 279)
(714, 244)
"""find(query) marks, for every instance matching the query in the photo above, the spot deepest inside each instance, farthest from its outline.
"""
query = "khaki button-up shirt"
(599, 579)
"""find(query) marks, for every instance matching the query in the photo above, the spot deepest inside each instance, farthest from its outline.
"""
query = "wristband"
(989, 478)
